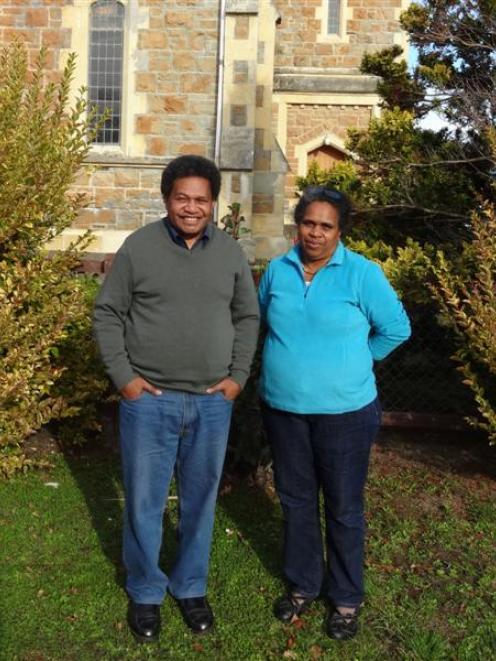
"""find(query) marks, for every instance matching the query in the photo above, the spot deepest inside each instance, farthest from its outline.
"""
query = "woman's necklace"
(311, 272)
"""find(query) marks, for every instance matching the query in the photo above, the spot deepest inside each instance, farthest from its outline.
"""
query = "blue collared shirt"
(323, 338)
(177, 238)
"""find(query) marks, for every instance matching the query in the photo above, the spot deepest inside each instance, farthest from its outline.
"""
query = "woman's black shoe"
(290, 606)
(342, 626)
(144, 621)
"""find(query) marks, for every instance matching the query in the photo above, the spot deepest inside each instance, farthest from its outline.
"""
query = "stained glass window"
(105, 66)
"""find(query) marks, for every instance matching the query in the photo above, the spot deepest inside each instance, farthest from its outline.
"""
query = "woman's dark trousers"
(328, 452)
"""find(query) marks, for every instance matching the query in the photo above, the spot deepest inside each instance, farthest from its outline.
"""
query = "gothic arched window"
(333, 16)
(106, 51)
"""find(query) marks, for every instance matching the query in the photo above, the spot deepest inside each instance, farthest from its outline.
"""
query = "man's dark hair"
(323, 194)
(190, 166)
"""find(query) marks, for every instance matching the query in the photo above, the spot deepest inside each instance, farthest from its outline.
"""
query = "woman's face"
(318, 231)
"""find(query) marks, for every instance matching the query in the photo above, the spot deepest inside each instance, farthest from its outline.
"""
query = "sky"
(432, 120)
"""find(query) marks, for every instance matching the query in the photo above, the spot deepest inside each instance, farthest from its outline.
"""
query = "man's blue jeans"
(330, 452)
(160, 433)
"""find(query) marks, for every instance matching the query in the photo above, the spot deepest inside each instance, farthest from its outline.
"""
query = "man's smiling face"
(190, 206)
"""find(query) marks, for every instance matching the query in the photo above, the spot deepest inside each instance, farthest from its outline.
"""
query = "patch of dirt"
(468, 455)
(40, 445)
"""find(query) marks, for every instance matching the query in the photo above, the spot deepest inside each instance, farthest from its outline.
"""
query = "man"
(176, 322)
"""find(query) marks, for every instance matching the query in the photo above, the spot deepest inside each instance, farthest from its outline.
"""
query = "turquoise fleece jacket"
(322, 339)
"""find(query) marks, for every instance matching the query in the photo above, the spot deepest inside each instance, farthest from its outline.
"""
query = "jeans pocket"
(220, 395)
(129, 400)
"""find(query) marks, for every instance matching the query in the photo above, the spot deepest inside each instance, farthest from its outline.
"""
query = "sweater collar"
(177, 238)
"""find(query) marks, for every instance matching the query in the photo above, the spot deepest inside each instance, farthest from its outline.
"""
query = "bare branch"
(448, 216)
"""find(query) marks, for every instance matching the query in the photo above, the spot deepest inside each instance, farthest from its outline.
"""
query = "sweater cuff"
(122, 377)
(240, 377)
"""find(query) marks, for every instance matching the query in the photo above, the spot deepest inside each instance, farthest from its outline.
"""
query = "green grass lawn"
(431, 570)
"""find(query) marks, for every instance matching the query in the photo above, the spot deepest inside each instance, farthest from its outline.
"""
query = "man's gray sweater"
(181, 319)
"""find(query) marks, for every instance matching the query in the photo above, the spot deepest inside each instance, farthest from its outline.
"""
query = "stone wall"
(177, 67)
(288, 88)
(252, 167)
(120, 198)
(319, 91)
(169, 94)
(35, 23)
(306, 123)
(366, 25)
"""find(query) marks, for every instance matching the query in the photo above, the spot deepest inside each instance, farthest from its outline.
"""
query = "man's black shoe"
(290, 606)
(144, 621)
(342, 626)
(197, 613)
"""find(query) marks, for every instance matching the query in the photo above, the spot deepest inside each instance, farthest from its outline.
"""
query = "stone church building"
(260, 86)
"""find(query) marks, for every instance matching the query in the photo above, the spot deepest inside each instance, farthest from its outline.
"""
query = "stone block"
(129, 219)
(166, 84)
(179, 19)
(266, 183)
(82, 177)
(267, 224)
(259, 138)
(259, 96)
(152, 39)
(237, 148)
(187, 125)
(261, 52)
(235, 183)
(108, 197)
(184, 62)
(127, 178)
(242, 6)
(325, 83)
(156, 146)
(197, 83)
(36, 17)
(91, 217)
(263, 203)
(242, 27)
(136, 198)
(268, 247)
(102, 178)
(85, 218)
(24, 36)
(157, 62)
(7, 20)
(240, 71)
(146, 82)
(144, 124)
(197, 42)
(192, 148)
(175, 104)
(262, 160)
(56, 38)
(150, 179)
(156, 22)
(239, 115)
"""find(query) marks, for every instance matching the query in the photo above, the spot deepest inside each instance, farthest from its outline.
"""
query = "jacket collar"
(294, 256)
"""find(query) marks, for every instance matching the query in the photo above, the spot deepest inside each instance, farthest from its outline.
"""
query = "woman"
(329, 314)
